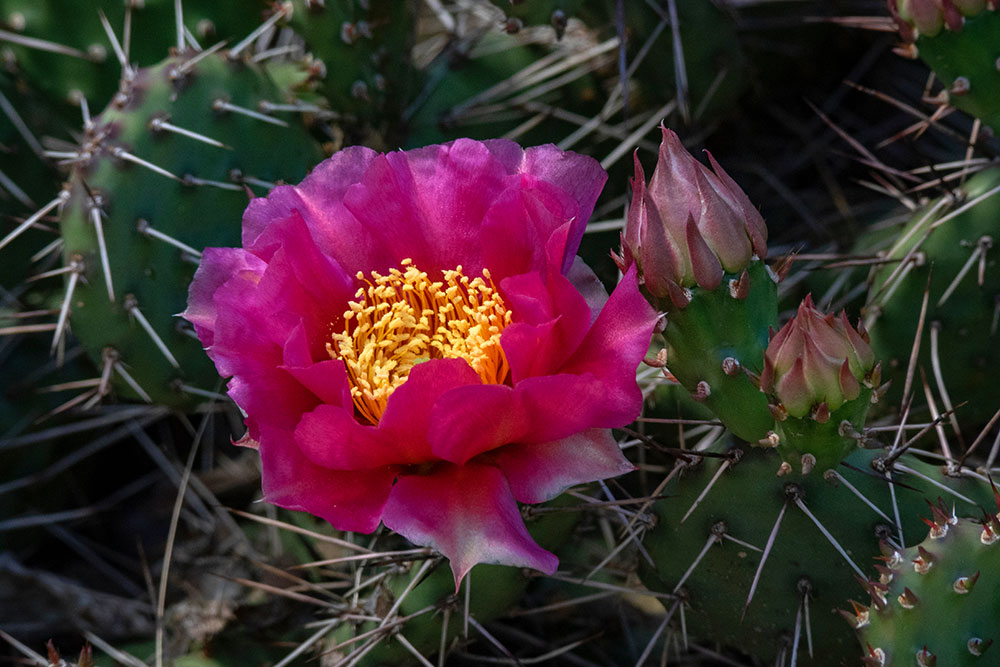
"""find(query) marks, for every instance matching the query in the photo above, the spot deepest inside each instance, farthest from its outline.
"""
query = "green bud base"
(716, 327)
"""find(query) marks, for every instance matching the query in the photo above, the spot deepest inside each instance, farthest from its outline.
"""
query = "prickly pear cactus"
(359, 54)
(951, 242)
(160, 174)
(937, 603)
(960, 41)
(760, 560)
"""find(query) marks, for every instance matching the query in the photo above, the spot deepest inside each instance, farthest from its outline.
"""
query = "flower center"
(405, 318)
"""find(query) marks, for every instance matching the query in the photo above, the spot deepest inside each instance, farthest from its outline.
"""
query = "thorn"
(924, 561)
(77, 262)
(978, 646)
(960, 87)
(187, 65)
(20, 125)
(102, 248)
(43, 45)
(194, 180)
(876, 591)
(740, 288)
(908, 599)
(161, 123)
(718, 530)
(836, 545)
(147, 230)
(35, 217)
(130, 381)
(860, 618)
(763, 559)
(784, 469)
(123, 154)
(771, 440)
(284, 9)
(711, 483)
(925, 658)
(132, 306)
(119, 53)
(843, 480)
(730, 365)
(875, 657)
(778, 412)
(179, 24)
(808, 463)
(702, 391)
(963, 585)
(221, 104)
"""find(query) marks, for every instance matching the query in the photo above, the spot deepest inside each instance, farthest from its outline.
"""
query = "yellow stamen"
(405, 318)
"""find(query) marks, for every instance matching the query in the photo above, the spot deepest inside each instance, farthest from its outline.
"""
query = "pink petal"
(218, 266)
(721, 226)
(474, 419)
(540, 472)
(351, 500)
(658, 256)
(755, 225)
(704, 264)
(468, 514)
(331, 437)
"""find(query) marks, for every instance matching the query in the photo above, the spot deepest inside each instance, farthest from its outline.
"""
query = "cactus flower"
(414, 342)
(690, 225)
(816, 363)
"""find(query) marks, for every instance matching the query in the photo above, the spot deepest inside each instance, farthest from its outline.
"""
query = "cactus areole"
(414, 342)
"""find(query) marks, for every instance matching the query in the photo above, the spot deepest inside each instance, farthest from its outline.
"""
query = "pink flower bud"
(690, 225)
(816, 362)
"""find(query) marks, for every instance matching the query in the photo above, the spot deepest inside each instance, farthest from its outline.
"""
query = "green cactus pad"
(716, 340)
(148, 181)
(940, 601)
(968, 64)
(964, 320)
(730, 527)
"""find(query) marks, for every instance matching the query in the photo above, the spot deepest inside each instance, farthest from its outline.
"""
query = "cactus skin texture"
(940, 600)
(363, 53)
(963, 325)
(744, 503)
(94, 74)
(148, 273)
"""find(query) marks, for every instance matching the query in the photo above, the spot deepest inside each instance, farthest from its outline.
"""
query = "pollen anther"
(404, 318)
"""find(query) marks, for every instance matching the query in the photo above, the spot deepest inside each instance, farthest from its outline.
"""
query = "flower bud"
(816, 363)
(928, 17)
(690, 226)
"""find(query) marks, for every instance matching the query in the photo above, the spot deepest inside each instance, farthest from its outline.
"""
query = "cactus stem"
(708, 487)
(833, 541)
(902, 468)
(283, 11)
(763, 559)
(102, 248)
(147, 230)
(123, 154)
(161, 123)
(74, 277)
(132, 306)
(35, 217)
(221, 104)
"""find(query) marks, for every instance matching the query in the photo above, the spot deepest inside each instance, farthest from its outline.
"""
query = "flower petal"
(540, 472)
(469, 515)
(351, 500)
(218, 266)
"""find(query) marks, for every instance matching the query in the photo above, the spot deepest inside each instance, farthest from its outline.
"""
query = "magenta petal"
(468, 514)
(408, 414)
(218, 266)
(331, 437)
(349, 500)
(540, 472)
(704, 264)
(475, 419)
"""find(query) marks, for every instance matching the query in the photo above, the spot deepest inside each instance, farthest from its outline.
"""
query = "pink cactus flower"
(414, 341)
(689, 226)
(816, 362)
